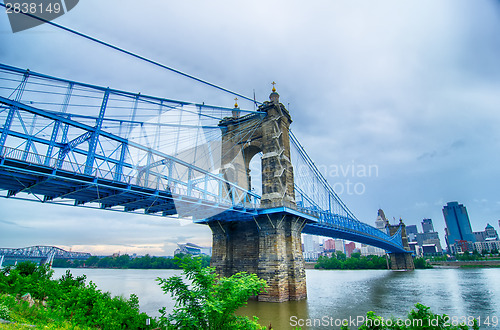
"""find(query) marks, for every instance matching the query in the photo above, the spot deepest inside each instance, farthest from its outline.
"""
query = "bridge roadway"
(57, 185)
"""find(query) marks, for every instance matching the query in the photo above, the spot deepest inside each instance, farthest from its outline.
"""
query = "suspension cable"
(80, 34)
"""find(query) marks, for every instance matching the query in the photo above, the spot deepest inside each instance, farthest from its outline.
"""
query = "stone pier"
(401, 261)
(268, 244)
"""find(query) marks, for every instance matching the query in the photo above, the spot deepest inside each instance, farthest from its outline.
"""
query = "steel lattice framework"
(68, 142)
(42, 252)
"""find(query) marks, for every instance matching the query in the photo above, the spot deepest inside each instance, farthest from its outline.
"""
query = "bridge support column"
(268, 245)
(401, 261)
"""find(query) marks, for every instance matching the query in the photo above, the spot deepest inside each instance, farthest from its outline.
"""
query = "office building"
(340, 245)
(487, 246)
(382, 220)
(427, 226)
(329, 245)
(411, 233)
(479, 236)
(458, 226)
(490, 233)
(311, 247)
(429, 238)
(349, 249)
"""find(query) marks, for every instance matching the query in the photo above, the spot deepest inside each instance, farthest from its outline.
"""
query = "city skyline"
(405, 112)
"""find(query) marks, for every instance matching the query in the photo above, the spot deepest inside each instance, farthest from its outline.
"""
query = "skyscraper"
(411, 232)
(458, 226)
(427, 226)
(381, 221)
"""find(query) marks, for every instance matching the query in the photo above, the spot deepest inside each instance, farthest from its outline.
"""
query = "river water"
(337, 295)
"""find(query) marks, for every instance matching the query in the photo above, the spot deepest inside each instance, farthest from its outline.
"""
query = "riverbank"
(466, 264)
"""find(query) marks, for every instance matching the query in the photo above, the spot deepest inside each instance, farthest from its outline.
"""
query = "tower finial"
(274, 89)
(236, 110)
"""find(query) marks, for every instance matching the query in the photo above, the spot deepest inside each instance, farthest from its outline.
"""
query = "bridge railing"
(66, 165)
(114, 135)
(230, 196)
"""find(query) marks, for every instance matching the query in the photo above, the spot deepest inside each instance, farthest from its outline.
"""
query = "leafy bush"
(356, 261)
(421, 263)
(209, 302)
(418, 319)
(67, 299)
(4, 312)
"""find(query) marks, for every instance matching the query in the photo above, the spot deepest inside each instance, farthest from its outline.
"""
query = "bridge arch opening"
(253, 160)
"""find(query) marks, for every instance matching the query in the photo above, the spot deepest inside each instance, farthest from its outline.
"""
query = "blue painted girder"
(313, 227)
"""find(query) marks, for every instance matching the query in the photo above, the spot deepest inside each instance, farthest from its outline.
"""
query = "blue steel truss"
(42, 252)
(62, 141)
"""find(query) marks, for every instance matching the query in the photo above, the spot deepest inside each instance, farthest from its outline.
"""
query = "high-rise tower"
(427, 226)
(458, 226)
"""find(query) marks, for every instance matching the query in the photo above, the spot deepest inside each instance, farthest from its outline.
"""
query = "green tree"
(421, 263)
(340, 255)
(209, 301)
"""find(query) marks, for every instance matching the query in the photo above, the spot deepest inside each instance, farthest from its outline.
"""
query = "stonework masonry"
(268, 245)
(401, 261)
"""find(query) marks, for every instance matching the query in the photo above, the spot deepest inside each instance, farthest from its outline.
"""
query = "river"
(338, 295)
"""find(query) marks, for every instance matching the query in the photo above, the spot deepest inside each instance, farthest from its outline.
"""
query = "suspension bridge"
(69, 142)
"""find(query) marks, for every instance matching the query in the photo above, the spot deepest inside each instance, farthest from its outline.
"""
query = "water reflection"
(276, 314)
(349, 294)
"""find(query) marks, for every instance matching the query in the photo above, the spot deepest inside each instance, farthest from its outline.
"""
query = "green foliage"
(125, 261)
(26, 277)
(209, 302)
(4, 312)
(421, 263)
(420, 318)
(340, 255)
(438, 258)
(356, 261)
(69, 301)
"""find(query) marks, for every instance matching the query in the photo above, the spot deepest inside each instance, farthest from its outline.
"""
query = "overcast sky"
(409, 89)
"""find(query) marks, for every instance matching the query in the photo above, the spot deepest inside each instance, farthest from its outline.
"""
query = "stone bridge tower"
(268, 245)
(400, 261)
